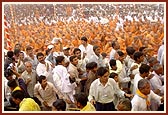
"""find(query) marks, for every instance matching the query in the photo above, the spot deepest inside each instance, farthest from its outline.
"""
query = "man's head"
(74, 60)
(66, 51)
(115, 45)
(17, 96)
(114, 76)
(28, 66)
(60, 60)
(103, 74)
(144, 86)
(96, 50)
(77, 52)
(113, 64)
(59, 105)
(81, 100)
(144, 70)
(42, 80)
(124, 105)
(84, 41)
(40, 57)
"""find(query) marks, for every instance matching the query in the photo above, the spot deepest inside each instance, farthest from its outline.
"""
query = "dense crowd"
(84, 57)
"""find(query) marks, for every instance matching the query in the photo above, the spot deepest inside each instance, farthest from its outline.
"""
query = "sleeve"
(37, 94)
(92, 92)
(155, 97)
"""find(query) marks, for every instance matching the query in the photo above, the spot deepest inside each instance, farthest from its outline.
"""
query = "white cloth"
(112, 54)
(136, 80)
(88, 50)
(139, 104)
(98, 60)
(104, 94)
(42, 70)
(48, 94)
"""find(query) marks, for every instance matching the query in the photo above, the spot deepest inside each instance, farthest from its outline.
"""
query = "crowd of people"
(84, 57)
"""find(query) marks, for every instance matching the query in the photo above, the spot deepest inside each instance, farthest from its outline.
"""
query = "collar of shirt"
(99, 83)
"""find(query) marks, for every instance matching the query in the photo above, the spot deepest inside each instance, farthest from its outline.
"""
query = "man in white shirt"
(115, 47)
(30, 78)
(141, 101)
(102, 91)
(44, 67)
(62, 80)
(46, 93)
(97, 57)
(86, 48)
(143, 72)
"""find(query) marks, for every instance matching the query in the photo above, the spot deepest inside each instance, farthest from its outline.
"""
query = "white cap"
(66, 48)
(55, 40)
(50, 46)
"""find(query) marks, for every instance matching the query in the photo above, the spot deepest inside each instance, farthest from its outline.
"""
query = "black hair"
(112, 62)
(60, 105)
(142, 48)
(39, 54)
(112, 75)
(59, 59)
(137, 55)
(120, 53)
(41, 77)
(12, 83)
(75, 50)
(10, 54)
(144, 68)
(84, 39)
(130, 50)
(81, 98)
(71, 58)
(18, 94)
(101, 71)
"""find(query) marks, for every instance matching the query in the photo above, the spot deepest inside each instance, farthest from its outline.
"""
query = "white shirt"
(98, 60)
(62, 72)
(42, 70)
(139, 104)
(112, 53)
(104, 94)
(48, 94)
(88, 50)
(160, 51)
(136, 80)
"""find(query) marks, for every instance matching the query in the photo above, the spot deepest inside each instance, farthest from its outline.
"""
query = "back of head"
(81, 98)
(144, 68)
(59, 59)
(112, 75)
(137, 55)
(130, 50)
(112, 62)
(10, 54)
(18, 94)
(126, 105)
(60, 105)
(12, 83)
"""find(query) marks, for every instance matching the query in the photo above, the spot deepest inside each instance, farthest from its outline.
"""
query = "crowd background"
(70, 56)
(38, 24)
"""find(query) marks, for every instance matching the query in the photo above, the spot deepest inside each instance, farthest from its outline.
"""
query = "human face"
(78, 54)
(41, 59)
(44, 83)
(83, 42)
(75, 61)
(120, 107)
(104, 78)
(146, 89)
(28, 66)
(97, 51)
(116, 78)
(17, 101)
